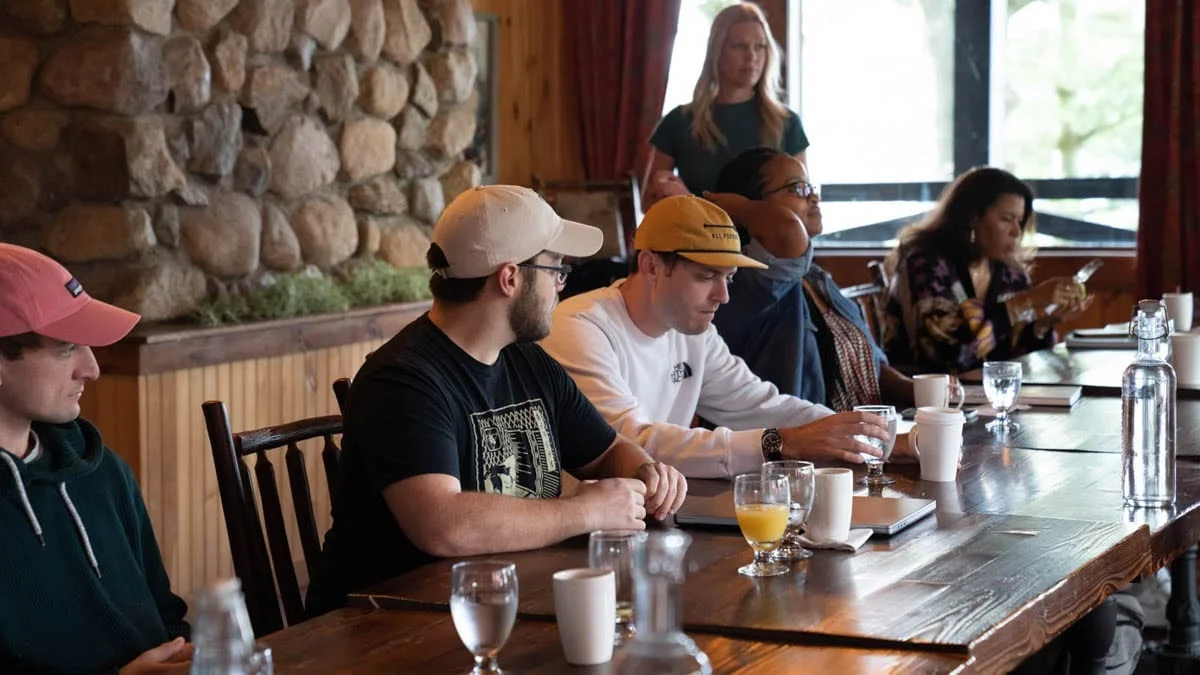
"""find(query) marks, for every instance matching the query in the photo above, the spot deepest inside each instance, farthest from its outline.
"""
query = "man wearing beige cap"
(458, 430)
(82, 584)
(645, 352)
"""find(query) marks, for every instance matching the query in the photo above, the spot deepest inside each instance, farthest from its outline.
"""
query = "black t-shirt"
(422, 405)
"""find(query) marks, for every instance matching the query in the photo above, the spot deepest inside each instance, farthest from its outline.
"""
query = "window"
(1048, 89)
(900, 96)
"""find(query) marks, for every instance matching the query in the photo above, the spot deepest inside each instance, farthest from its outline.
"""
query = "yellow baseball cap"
(693, 228)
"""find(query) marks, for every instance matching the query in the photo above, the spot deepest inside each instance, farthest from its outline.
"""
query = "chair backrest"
(341, 392)
(262, 572)
(871, 297)
(614, 206)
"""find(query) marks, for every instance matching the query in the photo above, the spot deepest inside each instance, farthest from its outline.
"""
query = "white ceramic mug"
(833, 500)
(940, 452)
(1185, 357)
(935, 390)
(585, 602)
(1179, 309)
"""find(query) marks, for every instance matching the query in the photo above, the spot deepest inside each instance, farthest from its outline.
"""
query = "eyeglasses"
(803, 189)
(560, 271)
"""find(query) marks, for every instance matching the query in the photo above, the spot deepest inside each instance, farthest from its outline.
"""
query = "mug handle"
(956, 386)
(912, 442)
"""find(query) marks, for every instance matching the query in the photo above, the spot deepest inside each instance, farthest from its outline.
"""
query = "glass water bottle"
(659, 645)
(1148, 412)
(223, 637)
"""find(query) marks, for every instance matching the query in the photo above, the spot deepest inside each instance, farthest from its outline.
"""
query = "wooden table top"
(1092, 425)
(991, 588)
(1098, 371)
(364, 640)
(1079, 486)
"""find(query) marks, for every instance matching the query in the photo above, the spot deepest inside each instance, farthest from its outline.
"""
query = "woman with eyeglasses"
(960, 286)
(790, 322)
(735, 105)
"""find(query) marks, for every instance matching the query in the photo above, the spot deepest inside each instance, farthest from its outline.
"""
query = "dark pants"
(1081, 650)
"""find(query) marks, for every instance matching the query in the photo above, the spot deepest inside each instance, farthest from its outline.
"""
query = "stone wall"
(169, 150)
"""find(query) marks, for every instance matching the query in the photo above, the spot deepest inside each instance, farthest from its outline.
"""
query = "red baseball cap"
(37, 295)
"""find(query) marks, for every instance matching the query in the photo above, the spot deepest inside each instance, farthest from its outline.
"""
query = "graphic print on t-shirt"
(514, 451)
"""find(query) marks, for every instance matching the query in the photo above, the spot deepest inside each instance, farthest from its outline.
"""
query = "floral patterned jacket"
(934, 322)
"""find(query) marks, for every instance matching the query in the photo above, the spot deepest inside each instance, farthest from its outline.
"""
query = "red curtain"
(1169, 193)
(620, 53)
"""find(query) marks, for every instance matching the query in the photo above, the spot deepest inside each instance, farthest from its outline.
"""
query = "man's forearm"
(473, 523)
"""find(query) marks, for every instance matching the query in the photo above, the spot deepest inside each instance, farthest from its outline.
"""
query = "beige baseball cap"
(490, 225)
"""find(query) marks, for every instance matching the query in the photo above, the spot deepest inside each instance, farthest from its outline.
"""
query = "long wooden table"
(366, 640)
(1092, 425)
(990, 589)
(1097, 371)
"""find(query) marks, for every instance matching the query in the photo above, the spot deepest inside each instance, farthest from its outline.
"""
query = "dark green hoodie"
(94, 595)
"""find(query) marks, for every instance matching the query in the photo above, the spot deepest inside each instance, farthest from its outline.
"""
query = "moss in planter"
(368, 283)
(357, 284)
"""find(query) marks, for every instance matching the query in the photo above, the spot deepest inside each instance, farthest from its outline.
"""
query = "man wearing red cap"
(82, 583)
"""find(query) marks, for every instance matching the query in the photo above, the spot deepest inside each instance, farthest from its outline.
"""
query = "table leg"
(1183, 608)
(1181, 652)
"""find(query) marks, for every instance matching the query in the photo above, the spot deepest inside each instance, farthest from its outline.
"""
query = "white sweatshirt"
(650, 388)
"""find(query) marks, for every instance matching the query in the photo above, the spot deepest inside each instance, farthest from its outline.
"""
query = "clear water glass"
(613, 550)
(1001, 384)
(762, 504)
(800, 485)
(875, 464)
(483, 604)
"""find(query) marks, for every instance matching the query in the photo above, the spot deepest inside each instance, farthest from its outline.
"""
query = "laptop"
(881, 515)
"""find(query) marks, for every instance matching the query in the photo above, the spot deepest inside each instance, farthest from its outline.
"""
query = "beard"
(527, 318)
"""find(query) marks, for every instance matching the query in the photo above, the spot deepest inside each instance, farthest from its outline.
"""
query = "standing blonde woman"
(734, 107)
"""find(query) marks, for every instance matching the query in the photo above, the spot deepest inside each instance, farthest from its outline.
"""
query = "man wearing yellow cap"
(645, 352)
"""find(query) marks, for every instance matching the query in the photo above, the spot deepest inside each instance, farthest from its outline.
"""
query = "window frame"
(973, 21)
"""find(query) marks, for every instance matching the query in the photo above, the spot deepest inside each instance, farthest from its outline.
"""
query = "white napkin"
(854, 542)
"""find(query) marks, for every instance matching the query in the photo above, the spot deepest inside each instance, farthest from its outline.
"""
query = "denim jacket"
(769, 322)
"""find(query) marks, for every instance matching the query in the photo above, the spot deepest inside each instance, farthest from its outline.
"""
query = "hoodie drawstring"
(37, 526)
(29, 514)
(87, 543)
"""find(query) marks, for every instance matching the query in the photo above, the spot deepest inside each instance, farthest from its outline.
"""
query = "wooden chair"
(871, 297)
(262, 573)
(615, 206)
(341, 392)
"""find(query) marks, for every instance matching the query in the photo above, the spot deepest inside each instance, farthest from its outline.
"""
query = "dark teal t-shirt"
(742, 125)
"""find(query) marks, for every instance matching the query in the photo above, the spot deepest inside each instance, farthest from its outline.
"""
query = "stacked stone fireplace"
(170, 150)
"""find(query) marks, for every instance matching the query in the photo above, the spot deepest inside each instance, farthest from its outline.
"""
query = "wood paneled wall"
(154, 421)
(539, 129)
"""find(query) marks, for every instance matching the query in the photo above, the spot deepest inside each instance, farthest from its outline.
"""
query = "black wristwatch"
(772, 445)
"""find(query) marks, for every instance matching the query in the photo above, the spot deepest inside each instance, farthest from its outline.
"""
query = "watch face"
(772, 445)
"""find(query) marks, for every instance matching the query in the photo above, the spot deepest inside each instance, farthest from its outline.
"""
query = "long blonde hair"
(774, 113)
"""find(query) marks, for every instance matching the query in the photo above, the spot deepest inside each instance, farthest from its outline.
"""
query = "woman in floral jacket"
(960, 292)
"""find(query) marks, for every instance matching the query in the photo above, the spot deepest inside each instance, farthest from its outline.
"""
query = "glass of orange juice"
(762, 502)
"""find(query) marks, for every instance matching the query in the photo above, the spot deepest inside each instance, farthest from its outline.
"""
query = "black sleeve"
(583, 433)
(400, 422)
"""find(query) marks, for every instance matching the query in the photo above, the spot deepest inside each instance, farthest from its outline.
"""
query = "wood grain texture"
(993, 588)
(539, 128)
(154, 422)
(1068, 485)
(413, 641)
(1092, 425)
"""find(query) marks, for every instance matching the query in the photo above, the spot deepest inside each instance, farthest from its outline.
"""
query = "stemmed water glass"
(483, 604)
(762, 503)
(613, 550)
(800, 485)
(874, 464)
(1001, 384)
